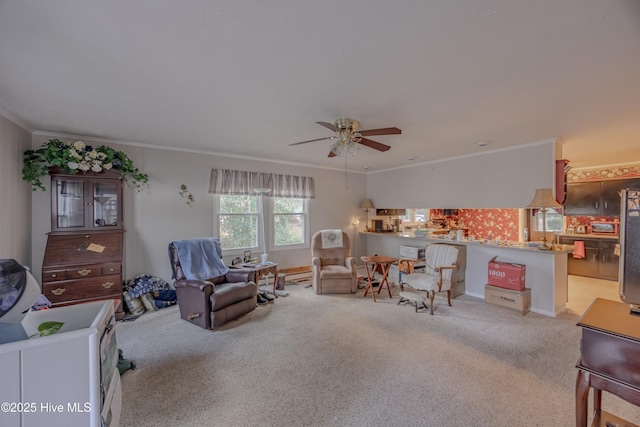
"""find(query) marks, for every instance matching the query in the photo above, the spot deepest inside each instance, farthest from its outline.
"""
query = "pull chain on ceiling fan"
(348, 137)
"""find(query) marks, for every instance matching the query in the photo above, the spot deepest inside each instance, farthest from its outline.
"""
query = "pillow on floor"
(134, 305)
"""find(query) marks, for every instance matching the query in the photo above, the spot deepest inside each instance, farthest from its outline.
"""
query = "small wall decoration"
(184, 193)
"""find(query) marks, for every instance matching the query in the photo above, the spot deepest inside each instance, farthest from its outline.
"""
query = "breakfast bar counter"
(546, 270)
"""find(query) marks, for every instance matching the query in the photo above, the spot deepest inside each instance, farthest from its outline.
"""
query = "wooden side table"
(610, 350)
(263, 270)
(384, 262)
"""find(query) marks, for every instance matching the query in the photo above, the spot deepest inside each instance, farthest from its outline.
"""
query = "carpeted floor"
(342, 360)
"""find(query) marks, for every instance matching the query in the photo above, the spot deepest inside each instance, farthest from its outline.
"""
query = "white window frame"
(216, 227)
(271, 221)
(270, 228)
(555, 213)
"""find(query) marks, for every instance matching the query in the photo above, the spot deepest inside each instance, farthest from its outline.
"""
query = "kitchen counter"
(546, 271)
(589, 236)
(517, 246)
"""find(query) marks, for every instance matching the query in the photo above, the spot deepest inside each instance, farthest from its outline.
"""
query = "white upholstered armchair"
(334, 269)
(440, 262)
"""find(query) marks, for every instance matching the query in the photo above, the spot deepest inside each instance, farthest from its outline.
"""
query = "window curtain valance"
(226, 181)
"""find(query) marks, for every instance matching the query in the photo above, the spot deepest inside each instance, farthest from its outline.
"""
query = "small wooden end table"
(609, 352)
(263, 270)
(384, 262)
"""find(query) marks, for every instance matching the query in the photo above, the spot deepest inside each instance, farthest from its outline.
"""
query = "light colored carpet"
(342, 360)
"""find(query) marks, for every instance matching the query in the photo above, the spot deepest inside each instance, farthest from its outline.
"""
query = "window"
(238, 222)
(553, 217)
(289, 222)
(414, 215)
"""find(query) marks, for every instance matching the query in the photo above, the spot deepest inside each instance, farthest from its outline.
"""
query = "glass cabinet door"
(70, 203)
(84, 204)
(105, 204)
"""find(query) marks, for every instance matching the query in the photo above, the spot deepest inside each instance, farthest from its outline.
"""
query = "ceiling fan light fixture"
(353, 148)
(337, 148)
(347, 137)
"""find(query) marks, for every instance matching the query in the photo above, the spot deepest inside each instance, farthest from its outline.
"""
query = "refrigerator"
(630, 248)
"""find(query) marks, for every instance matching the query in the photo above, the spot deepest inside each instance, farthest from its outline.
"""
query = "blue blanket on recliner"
(200, 258)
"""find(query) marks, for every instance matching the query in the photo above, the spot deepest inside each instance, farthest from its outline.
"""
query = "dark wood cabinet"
(600, 260)
(84, 253)
(86, 201)
(583, 198)
(390, 212)
(608, 261)
(611, 196)
(561, 180)
(598, 198)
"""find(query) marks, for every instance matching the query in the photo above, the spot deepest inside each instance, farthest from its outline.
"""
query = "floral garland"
(75, 157)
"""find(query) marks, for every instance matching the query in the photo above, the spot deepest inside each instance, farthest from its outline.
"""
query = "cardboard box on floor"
(519, 301)
(506, 275)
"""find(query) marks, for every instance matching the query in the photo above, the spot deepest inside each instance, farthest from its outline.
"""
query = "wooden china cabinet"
(84, 252)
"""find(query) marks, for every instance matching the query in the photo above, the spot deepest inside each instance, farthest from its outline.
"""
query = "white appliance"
(412, 252)
(69, 378)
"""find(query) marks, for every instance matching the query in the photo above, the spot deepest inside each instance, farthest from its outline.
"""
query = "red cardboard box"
(506, 275)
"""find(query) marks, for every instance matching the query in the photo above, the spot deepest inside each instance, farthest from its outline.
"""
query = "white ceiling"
(249, 77)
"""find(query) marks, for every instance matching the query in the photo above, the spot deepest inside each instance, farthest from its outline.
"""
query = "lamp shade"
(544, 199)
(366, 204)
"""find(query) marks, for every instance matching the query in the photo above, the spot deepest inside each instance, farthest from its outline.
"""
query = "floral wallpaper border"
(601, 174)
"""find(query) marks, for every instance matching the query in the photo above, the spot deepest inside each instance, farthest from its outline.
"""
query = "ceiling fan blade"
(312, 140)
(328, 126)
(375, 145)
(331, 154)
(381, 131)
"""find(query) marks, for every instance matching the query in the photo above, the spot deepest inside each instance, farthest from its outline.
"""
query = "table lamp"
(366, 205)
(544, 199)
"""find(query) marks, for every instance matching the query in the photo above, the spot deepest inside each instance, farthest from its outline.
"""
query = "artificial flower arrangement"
(78, 157)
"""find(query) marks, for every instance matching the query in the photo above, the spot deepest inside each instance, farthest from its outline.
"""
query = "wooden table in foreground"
(610, 360)
(384, 262)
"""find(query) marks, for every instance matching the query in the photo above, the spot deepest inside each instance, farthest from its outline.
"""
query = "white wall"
(497, 179)
(15, 194)
(158, 215)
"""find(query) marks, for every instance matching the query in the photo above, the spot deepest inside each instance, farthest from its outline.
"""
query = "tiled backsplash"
(586, 220)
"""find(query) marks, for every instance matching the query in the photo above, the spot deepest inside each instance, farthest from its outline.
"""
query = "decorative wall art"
(184, 193)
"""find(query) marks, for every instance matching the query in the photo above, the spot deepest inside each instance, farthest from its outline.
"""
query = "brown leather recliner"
(212, 302)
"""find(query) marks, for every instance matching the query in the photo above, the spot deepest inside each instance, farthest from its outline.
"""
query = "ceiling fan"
(349, 137)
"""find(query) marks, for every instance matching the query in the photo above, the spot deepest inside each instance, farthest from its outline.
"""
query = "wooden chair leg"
(431, 295)
(449, 297)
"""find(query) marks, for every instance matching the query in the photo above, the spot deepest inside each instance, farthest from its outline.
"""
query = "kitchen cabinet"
(599, 262)
(390, 212)
(583, 198)
(611, 195)
(597, 198)
(608, 261)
